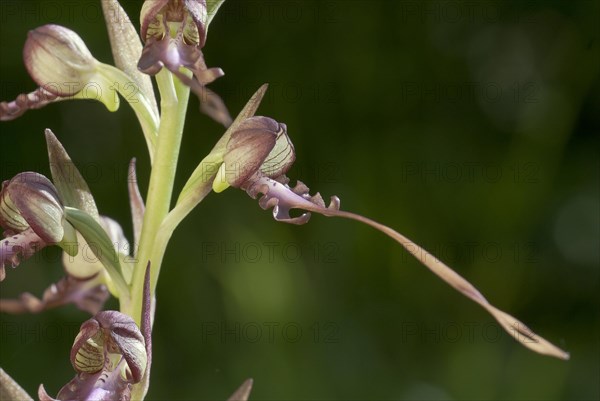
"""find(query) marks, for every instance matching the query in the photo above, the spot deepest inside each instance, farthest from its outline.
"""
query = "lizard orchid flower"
(110, 355)
(259, 153)
(174, 32)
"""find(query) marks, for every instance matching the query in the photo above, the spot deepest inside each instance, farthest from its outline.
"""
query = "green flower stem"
(174, 101)
(185, 205)
(142, 107)
(200, 182)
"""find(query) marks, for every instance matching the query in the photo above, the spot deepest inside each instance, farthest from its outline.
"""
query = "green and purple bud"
(32, 217)
(30, 201)
(260, 146)
(58, 60)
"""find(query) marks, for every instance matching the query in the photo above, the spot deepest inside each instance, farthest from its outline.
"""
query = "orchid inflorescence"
(112, 353)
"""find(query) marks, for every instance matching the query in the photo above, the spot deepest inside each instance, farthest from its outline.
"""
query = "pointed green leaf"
(71, 186)
(100, 244)
(212, 6)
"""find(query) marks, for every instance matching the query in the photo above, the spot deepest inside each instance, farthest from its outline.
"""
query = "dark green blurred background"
(471, 127)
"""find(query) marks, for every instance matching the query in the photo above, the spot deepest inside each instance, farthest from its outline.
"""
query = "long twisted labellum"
(282, 199)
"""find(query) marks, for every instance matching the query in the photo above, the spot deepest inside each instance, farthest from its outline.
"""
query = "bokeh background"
(471, 127)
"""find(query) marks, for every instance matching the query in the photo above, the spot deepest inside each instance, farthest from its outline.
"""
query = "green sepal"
(212, 6)
(67, 179)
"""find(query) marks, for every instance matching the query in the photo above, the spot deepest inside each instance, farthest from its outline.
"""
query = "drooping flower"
(174, 32)
(258, 163)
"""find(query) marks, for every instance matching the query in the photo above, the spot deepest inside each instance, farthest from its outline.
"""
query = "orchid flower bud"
(32, 215)
(260, 146)
(58, 59)
(61, 64)
(30, 200)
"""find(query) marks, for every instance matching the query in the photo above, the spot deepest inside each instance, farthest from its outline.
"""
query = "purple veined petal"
(126, 47)
(277, 194)
(110, 332)
(148, 14)
(192, 14)
(151, 60)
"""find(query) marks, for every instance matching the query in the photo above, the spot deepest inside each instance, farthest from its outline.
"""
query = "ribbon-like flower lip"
(250, 142)
(58, 60)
